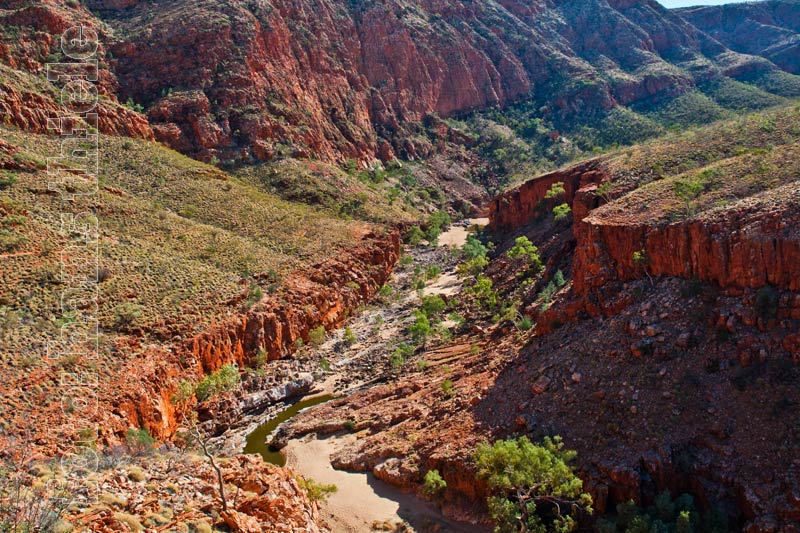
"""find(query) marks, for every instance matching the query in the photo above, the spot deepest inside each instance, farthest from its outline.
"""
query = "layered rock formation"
(30, 42)
(331, 80)
(752, 246)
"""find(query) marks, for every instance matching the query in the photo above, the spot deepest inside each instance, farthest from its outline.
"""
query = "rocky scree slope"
(249, 80)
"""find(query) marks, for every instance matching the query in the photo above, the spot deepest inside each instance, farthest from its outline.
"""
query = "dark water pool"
(256, 441)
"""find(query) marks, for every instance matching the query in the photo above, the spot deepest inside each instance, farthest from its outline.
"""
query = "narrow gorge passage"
(363, 502)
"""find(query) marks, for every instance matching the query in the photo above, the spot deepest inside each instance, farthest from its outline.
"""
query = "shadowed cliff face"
(241, 80)
(769, 29)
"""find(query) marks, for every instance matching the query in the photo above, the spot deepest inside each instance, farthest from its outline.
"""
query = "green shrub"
(10, 240)
(349, 337)
(386, 290)
(139, 441)
(254, 295)
(555, 190)
(396, 359)
(667, 515)
(533, 486)
(474, 266)
(414, 236)
(433, 305)
(219, 381)
(317, 491)
(317, 335)
(421, 327)
(447, 388)
(546, 296)
(605, 189)
(687, 190)
(436, 223)
(134, 106)
(433, 483)
(127, 314)
(482, 290)
(561, 211)
(7, 179)
(433, 272)
(525, 323)
(473, 248)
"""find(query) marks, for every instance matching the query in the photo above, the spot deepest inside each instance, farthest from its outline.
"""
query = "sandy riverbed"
(362, 501)
(456, 235)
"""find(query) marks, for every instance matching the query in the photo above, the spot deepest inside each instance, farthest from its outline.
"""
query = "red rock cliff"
(322, 295)
(753, 243)
(517, 207)
(746, 247)
(240, 80)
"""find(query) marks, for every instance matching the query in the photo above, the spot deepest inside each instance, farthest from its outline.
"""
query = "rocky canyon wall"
(742, 248)
(748, 246)
(322, 295)
(333, 80)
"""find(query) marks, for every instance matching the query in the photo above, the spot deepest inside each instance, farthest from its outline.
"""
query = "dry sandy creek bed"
(361, 502)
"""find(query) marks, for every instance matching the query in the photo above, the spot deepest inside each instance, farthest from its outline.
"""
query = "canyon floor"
(362, 502)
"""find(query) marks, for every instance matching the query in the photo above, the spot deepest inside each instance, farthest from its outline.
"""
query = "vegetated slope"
(249, 80)
(183, 246)
(768, 29)
(654, 360)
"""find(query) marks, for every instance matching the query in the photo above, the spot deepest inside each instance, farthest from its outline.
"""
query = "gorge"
(469, 226)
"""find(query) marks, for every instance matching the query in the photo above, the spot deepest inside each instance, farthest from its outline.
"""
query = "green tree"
(524, 249)
(421, 327)
(415, 236)
(434, 483)
(483, 291)
(561, 211)
(534, 488)
(219, 381)
(687, 190)
(640, 262)
(473, 267)
(556, 190)
(473, 248)
(433, 305)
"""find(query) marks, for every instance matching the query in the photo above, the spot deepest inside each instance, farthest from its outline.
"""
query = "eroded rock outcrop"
(322, 295)
(26, 101)
(747, 247)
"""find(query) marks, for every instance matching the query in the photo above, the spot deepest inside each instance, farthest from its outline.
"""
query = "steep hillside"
(768, 29)
(251, 80)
